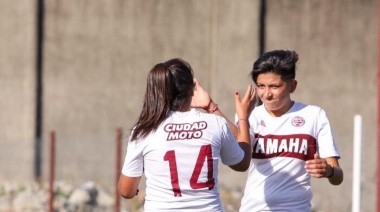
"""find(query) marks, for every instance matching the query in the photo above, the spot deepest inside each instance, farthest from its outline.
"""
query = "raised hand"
(200, 97)
(244, 106)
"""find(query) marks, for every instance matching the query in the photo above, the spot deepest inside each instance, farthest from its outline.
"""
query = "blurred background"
(79, 67)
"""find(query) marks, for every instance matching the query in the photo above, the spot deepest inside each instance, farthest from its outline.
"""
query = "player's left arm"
(325, 168)
(333, 171)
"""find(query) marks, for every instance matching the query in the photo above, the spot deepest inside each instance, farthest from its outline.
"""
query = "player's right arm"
(128, 186)
(243, 110)
(201, 99)
(132, 170)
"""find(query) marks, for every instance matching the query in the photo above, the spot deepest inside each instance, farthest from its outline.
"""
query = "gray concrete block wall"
(337, 69)
(17, 94)
(236, 47)
(97, 55)
(96, 61)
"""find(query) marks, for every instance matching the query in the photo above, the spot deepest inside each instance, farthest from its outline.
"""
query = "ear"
(293, 86)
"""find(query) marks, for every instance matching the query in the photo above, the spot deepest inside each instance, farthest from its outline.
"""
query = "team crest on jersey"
(262, 123)
(183, 131)
(298, 121)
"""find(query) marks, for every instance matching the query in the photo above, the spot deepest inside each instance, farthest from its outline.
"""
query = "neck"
(184, 108)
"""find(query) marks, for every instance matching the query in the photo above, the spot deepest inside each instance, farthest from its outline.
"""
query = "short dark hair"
(281, 62)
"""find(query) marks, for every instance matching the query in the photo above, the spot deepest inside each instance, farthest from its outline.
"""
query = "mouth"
(268, 100)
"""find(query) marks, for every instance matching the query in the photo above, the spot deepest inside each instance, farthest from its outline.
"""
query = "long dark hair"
(169, 88)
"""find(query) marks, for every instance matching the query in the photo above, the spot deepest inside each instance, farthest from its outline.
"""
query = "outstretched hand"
(317, 167)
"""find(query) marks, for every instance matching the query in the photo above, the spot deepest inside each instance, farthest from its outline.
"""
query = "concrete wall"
(97, 55)
(337, 45)
(17, 93)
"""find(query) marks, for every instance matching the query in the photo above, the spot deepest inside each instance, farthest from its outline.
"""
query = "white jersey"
(180, 161)
(277, 179)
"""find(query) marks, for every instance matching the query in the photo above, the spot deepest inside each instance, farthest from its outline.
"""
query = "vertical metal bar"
(262, 18)
(356, 163)
(39, 89)
(51, 171)
(262, 29)
(214, 25)
(118, 167)
(378, 108)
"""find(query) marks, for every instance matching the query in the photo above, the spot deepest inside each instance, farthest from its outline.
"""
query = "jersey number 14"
(205, 154)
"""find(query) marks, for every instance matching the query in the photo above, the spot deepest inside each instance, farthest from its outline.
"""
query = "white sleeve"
(236, 119)
(325, 139)
(231, 153)
(134, 160)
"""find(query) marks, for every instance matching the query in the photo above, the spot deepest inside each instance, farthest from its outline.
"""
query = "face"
(275, 93)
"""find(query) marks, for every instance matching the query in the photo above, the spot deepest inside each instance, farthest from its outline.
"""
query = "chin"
(271, 107)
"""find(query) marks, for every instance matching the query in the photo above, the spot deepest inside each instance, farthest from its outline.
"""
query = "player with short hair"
(292, 141)
(178, 147)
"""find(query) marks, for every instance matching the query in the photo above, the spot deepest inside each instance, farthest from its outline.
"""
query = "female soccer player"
(292, 141)
(178, 147)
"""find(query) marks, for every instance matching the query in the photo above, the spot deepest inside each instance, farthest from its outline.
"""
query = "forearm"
(245, 145)
(336, 176)
(334, 172)
(128, 186)
(243, 138)
(241, 132)
(232, 126)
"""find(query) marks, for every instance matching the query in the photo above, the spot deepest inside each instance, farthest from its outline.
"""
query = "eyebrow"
(271, 84)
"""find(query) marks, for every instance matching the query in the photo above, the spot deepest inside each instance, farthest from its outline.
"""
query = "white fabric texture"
(175, 159)
(277, 179)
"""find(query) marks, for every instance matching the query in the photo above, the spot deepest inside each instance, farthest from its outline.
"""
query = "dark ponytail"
(169, 88)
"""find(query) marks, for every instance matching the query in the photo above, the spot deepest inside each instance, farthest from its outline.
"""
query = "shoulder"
(211, 119)
(258, 109)
(310, 111)
(215, 118)
(298, 106)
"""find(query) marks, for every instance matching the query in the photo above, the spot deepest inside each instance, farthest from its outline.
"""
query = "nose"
(267, 93)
